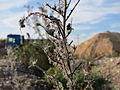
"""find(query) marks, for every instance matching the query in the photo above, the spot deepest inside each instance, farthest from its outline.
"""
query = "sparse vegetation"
(57, 29)
(32, 52)
(97, 82)
(2, 42)
(53, 56)
(117, 52)
(2, 49)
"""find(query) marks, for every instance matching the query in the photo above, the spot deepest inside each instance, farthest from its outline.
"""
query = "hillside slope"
(102, 44)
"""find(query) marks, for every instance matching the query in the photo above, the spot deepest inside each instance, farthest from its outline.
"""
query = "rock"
(102, 44)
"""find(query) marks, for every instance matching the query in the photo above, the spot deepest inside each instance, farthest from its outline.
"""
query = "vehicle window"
(11, 40)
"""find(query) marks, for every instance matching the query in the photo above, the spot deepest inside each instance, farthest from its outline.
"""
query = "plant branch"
(54, 9)
(76, 68)
(64, 38)
(72, 10)
(69, 3)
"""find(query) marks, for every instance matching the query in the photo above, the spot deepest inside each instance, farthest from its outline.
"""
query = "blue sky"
(89, 18)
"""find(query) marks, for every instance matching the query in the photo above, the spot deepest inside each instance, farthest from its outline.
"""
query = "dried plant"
(54, 20)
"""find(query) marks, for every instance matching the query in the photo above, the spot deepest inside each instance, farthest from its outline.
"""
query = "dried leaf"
(69, 28)
(38, 24)
(51, 32)
(28, 35)
(21, 22)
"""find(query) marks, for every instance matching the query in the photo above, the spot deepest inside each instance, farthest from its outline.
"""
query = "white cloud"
(8, 4)
(12, 21)
(77, 38)
(79, 27)
(80, 37)
(8, 18)
(88, 12)
(94, 11)
(98, 2)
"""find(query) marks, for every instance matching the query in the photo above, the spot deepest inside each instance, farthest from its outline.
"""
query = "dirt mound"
(102, 44)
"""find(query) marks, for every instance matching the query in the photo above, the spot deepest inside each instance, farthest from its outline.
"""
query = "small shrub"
(82, 81)
(117, 52)
(62, 79)
(2, 43)
(58, 75)
(31, 52)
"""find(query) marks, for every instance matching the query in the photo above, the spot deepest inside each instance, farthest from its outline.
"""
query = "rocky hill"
(102, 44)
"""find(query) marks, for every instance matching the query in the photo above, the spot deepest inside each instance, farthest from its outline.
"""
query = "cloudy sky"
(89, 18)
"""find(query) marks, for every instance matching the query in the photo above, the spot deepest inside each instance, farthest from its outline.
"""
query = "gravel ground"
(15, 76)
(109, 67)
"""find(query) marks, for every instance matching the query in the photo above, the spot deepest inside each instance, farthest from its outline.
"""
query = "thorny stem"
(64, 20)
(64, 65)
(64, 38)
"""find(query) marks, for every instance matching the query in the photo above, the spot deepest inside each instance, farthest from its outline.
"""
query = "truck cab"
(14, 40)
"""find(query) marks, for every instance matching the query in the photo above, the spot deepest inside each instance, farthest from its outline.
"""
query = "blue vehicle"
(14, 40)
